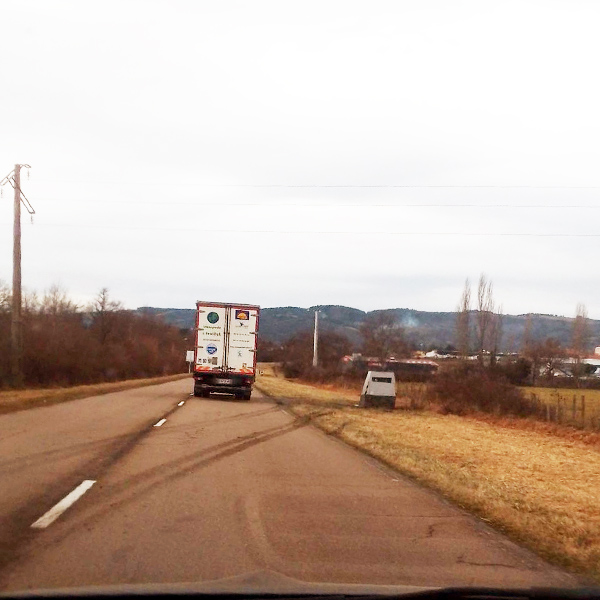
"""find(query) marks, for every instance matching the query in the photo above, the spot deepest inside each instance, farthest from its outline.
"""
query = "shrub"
(298, 355)
(469, 388)
(516, 372)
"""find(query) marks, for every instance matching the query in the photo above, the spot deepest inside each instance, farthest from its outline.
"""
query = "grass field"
(14, 400)
(541, 489)
(580, 407)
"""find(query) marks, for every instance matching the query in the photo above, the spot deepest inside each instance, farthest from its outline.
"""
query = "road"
(223, 488)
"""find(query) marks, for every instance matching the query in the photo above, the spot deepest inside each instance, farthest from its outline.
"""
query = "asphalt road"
(224, 488)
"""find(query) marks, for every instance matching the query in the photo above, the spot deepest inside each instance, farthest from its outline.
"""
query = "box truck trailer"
(225, 348)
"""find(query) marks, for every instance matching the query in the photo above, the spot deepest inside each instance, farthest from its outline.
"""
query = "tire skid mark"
(242, 416)
(122, 494)
(15, 526)
(18, 463)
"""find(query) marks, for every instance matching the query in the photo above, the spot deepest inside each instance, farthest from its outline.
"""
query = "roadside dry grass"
(335, 394)
(277, 386)
(14, 400)
(541, 489)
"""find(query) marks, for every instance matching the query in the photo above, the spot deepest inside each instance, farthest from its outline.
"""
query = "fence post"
(583, 411)
(574, 409)
(559, 410)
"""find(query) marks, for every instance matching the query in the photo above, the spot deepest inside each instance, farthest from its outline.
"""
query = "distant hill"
(425, 329)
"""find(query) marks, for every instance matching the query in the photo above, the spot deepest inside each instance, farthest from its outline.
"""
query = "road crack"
(462, 561)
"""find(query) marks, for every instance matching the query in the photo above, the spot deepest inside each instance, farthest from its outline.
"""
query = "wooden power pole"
(316, 341)
(16, 330)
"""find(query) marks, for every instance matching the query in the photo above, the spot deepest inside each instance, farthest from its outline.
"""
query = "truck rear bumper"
(239, 386)
(222, 389)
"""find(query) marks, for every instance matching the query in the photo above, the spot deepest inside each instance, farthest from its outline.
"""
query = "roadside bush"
(268, 351)
(298, 352)
(65, 344)
(292, 370)
(516, 372)
(469, 388)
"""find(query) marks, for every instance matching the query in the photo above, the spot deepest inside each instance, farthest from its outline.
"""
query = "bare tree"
(463, 325)
(102, 310)
(579, 340)
(382, 336)
(5, 297)
(297, 352)
(55, 302)
(485, 314)
(530, 349)
(527, 334)
(495, 334)
(551, 355)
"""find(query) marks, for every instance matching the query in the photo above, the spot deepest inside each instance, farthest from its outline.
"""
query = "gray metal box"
(379, 390)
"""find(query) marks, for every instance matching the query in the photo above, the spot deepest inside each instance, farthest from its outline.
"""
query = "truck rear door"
(211, 329)
(241, 347)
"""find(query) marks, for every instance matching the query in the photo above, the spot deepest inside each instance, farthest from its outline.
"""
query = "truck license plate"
(224, 381)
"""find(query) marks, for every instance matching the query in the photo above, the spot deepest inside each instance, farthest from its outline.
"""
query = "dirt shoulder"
(14, 400)
(541, 489)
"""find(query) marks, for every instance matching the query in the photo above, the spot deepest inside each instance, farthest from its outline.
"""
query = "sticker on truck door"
(241, 315)
(211, 349)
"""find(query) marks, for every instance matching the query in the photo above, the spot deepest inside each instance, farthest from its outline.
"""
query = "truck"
(225, 337)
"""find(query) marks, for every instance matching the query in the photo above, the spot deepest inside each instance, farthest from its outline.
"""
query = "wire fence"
(568, 409)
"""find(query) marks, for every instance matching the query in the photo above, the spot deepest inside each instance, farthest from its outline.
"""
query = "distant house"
(566, 367)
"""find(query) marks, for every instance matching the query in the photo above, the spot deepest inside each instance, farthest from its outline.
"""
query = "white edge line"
(58, 509)
(160, 423)
(181, 403)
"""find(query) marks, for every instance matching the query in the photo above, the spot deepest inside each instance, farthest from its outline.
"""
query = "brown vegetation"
(65, 344)
(297, 355)
(471, 389)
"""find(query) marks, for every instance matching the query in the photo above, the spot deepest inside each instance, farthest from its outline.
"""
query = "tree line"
(479, 331)
(381, 337)
(67, 344)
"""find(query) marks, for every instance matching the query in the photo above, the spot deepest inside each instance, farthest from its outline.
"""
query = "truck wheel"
(197, 392)
(247, 395)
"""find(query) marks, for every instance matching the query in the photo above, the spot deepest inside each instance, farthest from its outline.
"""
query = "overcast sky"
(366, 153)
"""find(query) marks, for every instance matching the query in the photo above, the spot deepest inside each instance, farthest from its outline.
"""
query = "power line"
(317, 232)
(323, 186)
(320, 204)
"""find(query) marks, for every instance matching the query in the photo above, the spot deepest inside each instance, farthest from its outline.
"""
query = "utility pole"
(16, 329)
(316, 341)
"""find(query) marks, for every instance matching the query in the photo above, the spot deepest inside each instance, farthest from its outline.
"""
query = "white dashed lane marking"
(58, 509)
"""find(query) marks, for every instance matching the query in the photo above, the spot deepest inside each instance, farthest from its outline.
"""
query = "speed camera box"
(379, 390)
